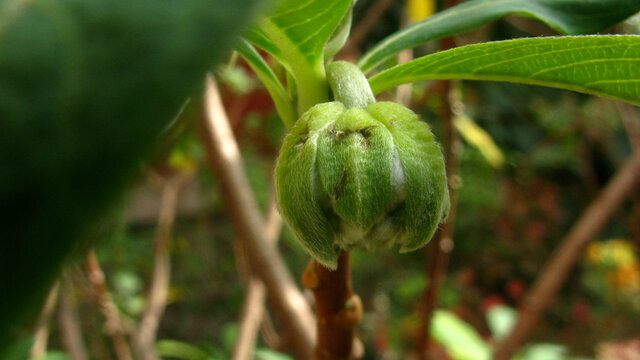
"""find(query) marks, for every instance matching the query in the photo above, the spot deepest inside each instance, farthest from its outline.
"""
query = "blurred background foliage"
(531, 159)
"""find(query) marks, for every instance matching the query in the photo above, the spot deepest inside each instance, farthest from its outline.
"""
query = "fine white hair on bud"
(366, 177)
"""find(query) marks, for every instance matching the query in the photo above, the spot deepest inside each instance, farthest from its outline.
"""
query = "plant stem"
(443, 242)
(113, 323)
(562, 261)
(41, 336)
(253, 309)
(70, 329)
(161, 278)
(338, 309)
(266, 261)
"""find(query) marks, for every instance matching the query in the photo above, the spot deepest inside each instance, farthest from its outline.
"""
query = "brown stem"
(225, 158)
(442, 245)
(157, 299)
(369, 20)
(564, 258)
(41, 336)
(631, 123)
(338, 309)
(113, 323)
(253, 308)
(70, 329)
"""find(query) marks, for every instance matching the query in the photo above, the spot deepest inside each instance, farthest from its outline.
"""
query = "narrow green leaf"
(565, 16)
(300, 30)
(86, 89)
(281, 99)
(608, 66)
(258, 38)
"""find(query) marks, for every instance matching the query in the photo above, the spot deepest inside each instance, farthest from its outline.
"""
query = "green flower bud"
(361, 178)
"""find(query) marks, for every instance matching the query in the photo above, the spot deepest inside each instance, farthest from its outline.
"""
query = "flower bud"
(361, 178)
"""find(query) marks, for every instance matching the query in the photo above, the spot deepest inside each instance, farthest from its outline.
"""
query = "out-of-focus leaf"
(460, 340)
(543, 352)
(280, 98)
(501, 320)
(300, 30)
(601, 65)
(565, 16)
(18, 350)
(266, 354)
(476, 136)
(420, 9)
(86, 88)
(54, 355)
(180, 350)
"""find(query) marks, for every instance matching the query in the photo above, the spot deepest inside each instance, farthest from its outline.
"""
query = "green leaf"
(543, 352)
(565, 16)
(300, 30)
(460, 340)
(501, 319)
(280, 97)
(601, 65)
(86, 90)
(258, 38)
(267, 354)
(180, 350)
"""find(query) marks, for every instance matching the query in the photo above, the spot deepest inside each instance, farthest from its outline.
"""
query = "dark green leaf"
(565, 16)
(601, 65)
(86, 88)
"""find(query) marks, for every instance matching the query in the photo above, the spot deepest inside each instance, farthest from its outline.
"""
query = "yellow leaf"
(476, 136)
(420, 9)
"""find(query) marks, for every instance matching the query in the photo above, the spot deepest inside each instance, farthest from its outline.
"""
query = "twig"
(114, 326)
(442, 245)
(555, 272)
(338, 309)
(403, 93)
(365, 25)
(161, 277)
(631, 123)
(70, 329)
(253, 308)
(225, 158)
(41, 337)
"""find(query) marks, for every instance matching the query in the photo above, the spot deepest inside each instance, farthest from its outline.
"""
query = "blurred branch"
(41, 336)
(70, 329)
(266, 261)
(157, 299)
(631, 123)
(442, 245)
(562, 261)
(253, 308)
(114, 325)
(403, 93)
(365, 25)
(338, 309)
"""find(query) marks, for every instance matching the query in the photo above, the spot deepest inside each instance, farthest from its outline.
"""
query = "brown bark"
(562, 261)
(442, 245)
(365, 25)
(146, 337)
(41, 335)
(338, 309)
(266, 261)
(113, 322)
(253, 309)
(70, 329)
